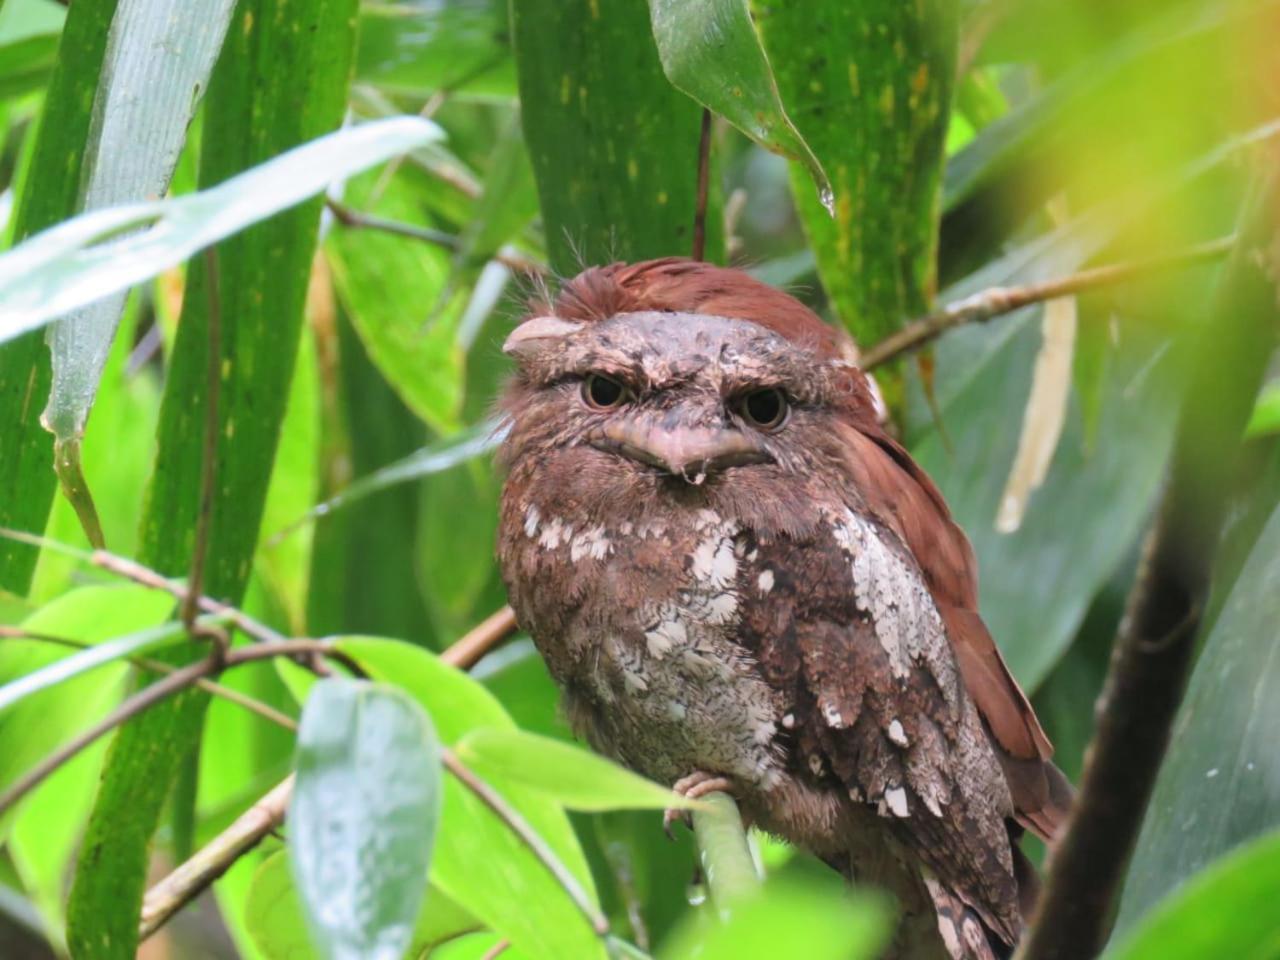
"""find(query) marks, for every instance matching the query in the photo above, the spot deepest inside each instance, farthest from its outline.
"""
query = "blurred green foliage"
(969, 145)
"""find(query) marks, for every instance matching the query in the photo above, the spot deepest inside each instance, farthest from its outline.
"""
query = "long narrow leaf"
(111, 651)
(280, 82)
(84, 259)
(144, 106)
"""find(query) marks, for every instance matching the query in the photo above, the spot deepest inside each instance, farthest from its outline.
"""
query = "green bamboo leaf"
(156, 67)
(614, 146)
(281, 81)
(436, 457)
(576, 778)
(86, 258)
(1220, 783)
(478, 861)
(868, 85)
(1225, 910)
(362, 819)
(711, 52)
(47, 191)
(275, 921)
(414, 49)
(112, 651)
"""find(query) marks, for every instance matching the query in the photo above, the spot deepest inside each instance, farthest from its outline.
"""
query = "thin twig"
(704, 178)
(209, 459)
(437, 238)
(1155, 649)
(529, 837)
(215, 858)
(145, 576)
(497, 950)
(264, 710)
(148, 697)
(995, 301)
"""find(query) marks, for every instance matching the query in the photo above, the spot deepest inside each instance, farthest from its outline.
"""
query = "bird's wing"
(881, 706)
(903, 497)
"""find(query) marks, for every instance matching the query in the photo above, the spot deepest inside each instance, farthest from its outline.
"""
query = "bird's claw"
(695, 785)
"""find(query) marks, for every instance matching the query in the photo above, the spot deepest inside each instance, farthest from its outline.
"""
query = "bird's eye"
(764, 409)
(602, 393)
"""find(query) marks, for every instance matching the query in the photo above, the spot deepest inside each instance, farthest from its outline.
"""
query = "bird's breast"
(638, 621)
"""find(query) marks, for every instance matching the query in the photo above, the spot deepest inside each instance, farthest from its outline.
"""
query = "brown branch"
(213, 860)
(264, 710)
(209, 460)
(148, 697)
(529, 837)
(216, 857)
(704, 178)
(1154, 651)
(996, 301)
(437, 238)
(145, 576)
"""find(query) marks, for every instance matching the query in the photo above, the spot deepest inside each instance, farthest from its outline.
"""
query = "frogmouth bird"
(741, 581)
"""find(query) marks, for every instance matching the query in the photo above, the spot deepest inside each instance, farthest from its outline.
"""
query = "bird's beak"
(689, 452)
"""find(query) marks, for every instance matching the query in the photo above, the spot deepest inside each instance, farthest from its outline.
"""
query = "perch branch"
(1154, 651)
(727, 864)
(996, 301)
(190, 879)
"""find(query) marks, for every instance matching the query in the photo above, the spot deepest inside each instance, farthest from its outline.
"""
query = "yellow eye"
(764, 409)
(602, 393)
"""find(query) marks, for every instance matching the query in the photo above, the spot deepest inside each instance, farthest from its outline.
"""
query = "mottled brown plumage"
(788, 606)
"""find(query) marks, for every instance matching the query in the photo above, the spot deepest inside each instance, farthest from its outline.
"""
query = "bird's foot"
(695, 785)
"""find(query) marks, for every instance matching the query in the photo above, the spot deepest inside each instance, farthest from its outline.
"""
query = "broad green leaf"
(25, 63)
(156, 67)
(34, 727)
(391, 288)
(478, 861)
(711, 52)
(576, 778)
(790, 920)
(1220, 783)
(281, 81)
(275, 916)
(86, 258)
(868, 85)
(614, 146)
(362, 819)
(414, 49)
(1225, 910)
(47, 190)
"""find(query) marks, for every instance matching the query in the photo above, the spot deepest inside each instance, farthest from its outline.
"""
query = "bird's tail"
(963, 933)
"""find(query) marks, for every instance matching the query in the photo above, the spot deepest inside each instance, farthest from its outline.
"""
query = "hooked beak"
(689, 452)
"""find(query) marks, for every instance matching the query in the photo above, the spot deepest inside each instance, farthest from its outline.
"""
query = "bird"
(741, 581)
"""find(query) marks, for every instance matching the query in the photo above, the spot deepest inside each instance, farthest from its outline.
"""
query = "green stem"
(730, 870)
